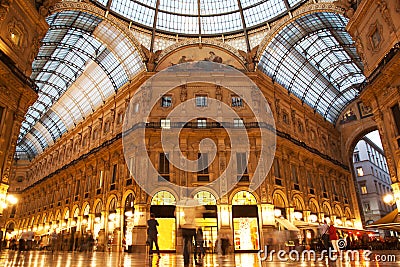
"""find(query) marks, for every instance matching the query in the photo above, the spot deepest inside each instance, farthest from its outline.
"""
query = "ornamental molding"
(91, 9)
(298, 13)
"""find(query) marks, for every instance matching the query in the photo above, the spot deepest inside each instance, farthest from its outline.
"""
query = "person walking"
(333, 236)
(53, 241)
(324, 231)
(199, 244)
(152, 233)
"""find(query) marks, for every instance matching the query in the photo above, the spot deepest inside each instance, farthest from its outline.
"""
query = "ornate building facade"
(70, 171)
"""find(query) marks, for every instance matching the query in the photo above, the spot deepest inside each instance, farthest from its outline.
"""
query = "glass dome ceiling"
(81, 63)
(315, 58)
(199, 17)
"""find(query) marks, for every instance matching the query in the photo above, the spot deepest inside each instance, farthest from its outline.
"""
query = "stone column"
(139, 231)
(267, 219)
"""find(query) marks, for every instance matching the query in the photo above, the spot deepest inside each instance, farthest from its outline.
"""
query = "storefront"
(97, 225)
(209, 221)
(245, 222)
(128, 220)
(163, 206)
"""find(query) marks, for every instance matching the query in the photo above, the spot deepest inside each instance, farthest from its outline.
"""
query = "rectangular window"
(165, 123)
(360, 171)
(201, 123)
(323, 187)
(363, 188)
(201, 101)
(101, 179)
(114, 174)
(203, 173)
(78, 185)
(242, 174)
(396, 116)
(344, 192)
(277, 171)
(237, 101)
(238, 123)
(166, 101)
(295, 177)
(334, 188)
(87, 187)
(356, 157)
(163, 167)
(310, 182)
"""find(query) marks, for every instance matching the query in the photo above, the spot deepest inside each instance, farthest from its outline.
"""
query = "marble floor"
(103, 259)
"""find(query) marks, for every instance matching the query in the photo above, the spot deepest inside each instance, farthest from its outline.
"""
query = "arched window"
(163, 198)
(244, 198)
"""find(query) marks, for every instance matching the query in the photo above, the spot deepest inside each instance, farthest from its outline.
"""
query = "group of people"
(329, 236)
(199, 250)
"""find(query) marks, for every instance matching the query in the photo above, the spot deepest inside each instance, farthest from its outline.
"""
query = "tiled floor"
(103, 259)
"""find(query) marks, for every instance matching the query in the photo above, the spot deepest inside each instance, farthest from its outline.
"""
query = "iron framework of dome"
(200, 17)
(85, 59)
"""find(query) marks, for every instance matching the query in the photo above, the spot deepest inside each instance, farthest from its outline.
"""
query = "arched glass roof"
(316, 60)
(199, 17)
(82, 61)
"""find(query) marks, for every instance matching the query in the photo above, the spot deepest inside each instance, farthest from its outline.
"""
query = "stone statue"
(250, 58)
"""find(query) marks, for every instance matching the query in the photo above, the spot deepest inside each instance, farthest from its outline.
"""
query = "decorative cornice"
(17, 72)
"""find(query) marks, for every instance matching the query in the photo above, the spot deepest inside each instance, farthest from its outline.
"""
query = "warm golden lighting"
(12, 199)
(278, 213)
(388, 199)
(313, 218)
(298, 215)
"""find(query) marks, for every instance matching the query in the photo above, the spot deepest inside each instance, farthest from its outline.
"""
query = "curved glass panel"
(82, 62)
(184, 16)
(315, 59)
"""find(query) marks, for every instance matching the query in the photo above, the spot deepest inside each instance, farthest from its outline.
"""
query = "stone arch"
(110, 199)
(352, 133)
(163, 192)
(84, 205)
(74, 208)
(126, 194)
(246, 189)
(57, 217)
(314, 202)
(296, 14)
(282, 195)
(213, 197)
(347, 213)
(207, 42)
(11, 226)
(245, 195)
(338, 211)
(66, 213)
(192, 45)
(161, 189)
(96, 203)
(298, 202)
(326, 208)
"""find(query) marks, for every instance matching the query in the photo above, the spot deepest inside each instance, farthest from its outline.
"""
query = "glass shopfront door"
(245, 227)
(165, 215)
